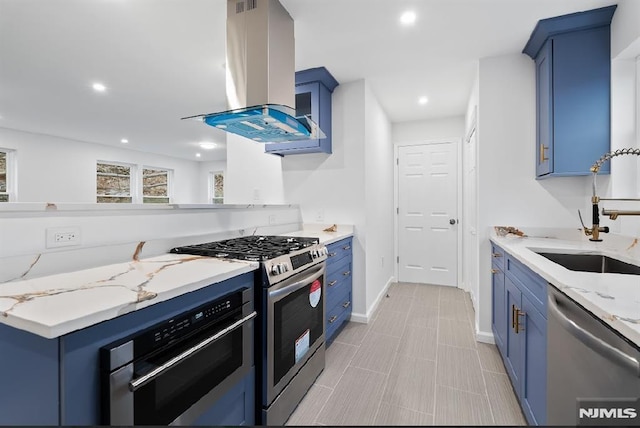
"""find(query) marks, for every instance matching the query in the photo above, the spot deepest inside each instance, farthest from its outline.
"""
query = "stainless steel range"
(290, 334)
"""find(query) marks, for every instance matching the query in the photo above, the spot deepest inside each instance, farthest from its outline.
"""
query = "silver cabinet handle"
(136, 384)
(346, 247)
(285, 287)
(332, 283)
(347, 273)
(346, 305)
(333, 319)
(598, 345)
(332, 254)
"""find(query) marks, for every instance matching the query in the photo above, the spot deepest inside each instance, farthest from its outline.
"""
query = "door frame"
(457, 141)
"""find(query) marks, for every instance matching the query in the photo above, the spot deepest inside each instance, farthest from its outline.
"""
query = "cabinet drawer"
(337, 291)
(530, 283)
(338, 271)
(497, 257)
(338, 250)
(338, 314)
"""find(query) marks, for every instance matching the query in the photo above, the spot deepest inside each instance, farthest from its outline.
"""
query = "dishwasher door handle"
(598, 345)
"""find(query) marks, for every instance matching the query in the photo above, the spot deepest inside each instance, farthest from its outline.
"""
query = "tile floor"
(415, 363)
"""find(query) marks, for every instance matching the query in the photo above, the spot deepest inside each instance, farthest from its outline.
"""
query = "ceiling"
(164, 59)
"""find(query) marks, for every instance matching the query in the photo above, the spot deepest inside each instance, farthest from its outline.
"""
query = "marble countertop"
(326, 238)
(614, 298)
(55, 305)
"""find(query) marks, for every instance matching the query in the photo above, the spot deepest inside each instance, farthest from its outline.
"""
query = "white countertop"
(326, 238)
(55, 305)
(614, 298)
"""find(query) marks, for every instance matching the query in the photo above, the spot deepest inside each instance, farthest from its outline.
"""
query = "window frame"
(211, 187)
(169, 196)
(133, 182)
(11, 175)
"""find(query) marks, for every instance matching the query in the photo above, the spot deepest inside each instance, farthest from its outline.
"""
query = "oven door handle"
(138, 383)
(287, 288)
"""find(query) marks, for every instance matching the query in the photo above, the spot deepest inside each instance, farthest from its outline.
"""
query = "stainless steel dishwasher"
(588, 362)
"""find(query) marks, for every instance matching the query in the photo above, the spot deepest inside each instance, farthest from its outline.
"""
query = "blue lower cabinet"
(338, 287)
(513, 355)
(499, 314)
(534, 353)
(520, 330)
(29, 372)
(235, 408)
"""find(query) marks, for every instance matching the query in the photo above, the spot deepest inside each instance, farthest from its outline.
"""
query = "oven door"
(179, 383)
(295, 325)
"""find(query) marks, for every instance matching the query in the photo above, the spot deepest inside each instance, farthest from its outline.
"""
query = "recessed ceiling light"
(124, 141)
(99, 87)
(408, 18)
(207, 146)
(423, 100)
(198, 155)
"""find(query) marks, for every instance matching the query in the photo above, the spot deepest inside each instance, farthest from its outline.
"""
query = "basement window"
(155, 185)
(216, 187)
(114, 183)
(7, 181)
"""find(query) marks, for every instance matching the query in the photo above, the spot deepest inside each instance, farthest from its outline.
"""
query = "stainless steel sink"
(592, 263)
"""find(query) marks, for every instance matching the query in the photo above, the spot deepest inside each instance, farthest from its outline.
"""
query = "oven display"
(301, 260)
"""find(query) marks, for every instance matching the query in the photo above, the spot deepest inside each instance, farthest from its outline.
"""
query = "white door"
(427, 214)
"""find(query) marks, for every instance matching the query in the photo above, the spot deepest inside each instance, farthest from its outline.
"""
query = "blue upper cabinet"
(572, 54)
(313, 97)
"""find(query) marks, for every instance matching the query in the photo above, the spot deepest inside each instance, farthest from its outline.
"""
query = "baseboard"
(484, 337)
(362, 318)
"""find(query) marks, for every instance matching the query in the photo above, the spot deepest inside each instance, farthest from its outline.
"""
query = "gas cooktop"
(251, 248)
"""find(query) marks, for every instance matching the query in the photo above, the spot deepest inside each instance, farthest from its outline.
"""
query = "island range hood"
(260, 78)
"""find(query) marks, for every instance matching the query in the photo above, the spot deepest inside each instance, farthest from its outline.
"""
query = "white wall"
(353, 185)
(253, 177)
(331, 188)
(433, 129)
(379, 206)
(625, 29)
(508, 192)
(70, 168)
(111, 236)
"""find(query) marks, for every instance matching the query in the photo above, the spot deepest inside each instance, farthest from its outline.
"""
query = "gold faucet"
(595, 230)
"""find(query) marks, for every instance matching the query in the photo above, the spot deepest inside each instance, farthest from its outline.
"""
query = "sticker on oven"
(315, 293)
(302, 345)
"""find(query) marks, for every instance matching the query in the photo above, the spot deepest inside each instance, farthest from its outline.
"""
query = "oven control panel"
(185, 323)
(287, 265)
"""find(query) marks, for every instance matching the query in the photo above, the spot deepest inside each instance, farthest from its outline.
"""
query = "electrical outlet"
(382, 261)
(272, 219)
(63, 236)
(256, 195)
(319, 216)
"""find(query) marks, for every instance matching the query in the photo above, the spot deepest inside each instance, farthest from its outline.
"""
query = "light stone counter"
(326, 238)
(54, 305)
(614, 298)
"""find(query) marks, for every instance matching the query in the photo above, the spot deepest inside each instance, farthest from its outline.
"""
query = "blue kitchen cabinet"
(513, 356)
(499, 314)
(533, 394)
(572, 55)
(235, 408)
(313, 98)
(524, 327)
(29, 372)
(338, 280)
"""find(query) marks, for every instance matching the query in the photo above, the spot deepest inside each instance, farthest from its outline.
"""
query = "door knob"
(452, 221)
